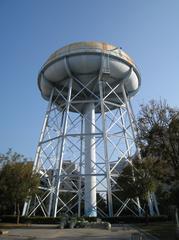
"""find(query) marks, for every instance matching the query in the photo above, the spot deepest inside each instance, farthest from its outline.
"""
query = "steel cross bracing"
(62, 139)
(60, 155)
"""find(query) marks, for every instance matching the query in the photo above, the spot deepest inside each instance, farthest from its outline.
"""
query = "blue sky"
(32, 29)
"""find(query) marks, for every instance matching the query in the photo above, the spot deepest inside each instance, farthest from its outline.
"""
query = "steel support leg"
(36, 161)
(150, 204)
(155, 203)
(60, 159)
(133, 131)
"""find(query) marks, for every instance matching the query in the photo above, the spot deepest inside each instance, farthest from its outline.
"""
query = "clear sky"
(30, 30)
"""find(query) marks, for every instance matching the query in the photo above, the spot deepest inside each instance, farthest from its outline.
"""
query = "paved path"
(121, 232)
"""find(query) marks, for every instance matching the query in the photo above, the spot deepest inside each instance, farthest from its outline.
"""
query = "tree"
(158, 137)
(17, 181)
(137, 181)
(173, 135)
(11, 156)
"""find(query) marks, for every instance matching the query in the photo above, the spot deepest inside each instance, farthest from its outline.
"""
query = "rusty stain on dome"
(90, 46)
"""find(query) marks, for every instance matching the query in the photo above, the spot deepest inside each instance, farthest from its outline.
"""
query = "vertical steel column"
(59, 163)
(81, 163)
(108, 173)
(26, 207)
(139, 206)
(129, 154)
(136, 129)
(128, 110)
(36, 161)
(151, 209)
(37, 155)
(124, 131)
(155, 203)
(90, 160)
(126, 101)
(53, 180)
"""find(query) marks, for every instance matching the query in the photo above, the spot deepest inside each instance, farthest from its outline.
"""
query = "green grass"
(163, 231)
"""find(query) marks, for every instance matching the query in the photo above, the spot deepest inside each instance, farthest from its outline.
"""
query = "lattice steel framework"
(65, 136)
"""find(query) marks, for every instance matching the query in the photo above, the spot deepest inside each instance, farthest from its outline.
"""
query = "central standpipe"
(90, 161)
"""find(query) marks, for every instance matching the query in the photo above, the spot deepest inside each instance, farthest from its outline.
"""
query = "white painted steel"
(90, 161)
(84, 62)
(155, 203)
(89, 122)
(59, 161)
(150, 204)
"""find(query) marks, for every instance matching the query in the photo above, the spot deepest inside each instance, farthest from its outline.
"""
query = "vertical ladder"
(106, 63)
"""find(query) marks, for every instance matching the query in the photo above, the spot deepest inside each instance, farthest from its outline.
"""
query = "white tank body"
(84, 60)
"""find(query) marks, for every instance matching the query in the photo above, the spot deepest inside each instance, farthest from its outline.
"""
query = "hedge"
(57, 220)
(33, 220)
(135, 219)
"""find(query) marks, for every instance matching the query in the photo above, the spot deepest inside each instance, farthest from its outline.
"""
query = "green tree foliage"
(137, 180)
(11, 156)
(158, 137)
(17, 181)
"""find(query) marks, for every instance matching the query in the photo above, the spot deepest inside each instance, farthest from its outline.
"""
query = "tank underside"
(85, 62)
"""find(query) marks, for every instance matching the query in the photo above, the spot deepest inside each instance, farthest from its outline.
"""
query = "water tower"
(88, 134)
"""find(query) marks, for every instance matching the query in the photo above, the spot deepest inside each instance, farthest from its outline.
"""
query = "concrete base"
(117, 232)
(3, 232)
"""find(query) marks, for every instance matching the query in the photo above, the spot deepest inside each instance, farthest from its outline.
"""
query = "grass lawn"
(163, 231)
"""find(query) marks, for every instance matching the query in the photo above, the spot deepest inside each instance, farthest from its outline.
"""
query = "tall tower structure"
(89, 122)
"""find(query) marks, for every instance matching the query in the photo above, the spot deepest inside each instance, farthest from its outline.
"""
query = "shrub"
(91, 219)
(33, 220)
